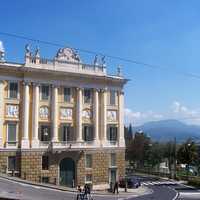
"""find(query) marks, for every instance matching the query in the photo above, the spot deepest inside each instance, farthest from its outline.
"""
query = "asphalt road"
(162, 190)
(168, 190)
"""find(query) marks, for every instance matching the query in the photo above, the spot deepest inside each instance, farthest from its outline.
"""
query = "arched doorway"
(67, 172)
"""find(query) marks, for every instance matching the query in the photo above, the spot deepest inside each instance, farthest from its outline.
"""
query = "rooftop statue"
(37, 52)
(67, 54)
(27, 49)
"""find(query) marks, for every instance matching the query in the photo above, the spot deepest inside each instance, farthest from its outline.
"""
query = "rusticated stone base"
(30, 165)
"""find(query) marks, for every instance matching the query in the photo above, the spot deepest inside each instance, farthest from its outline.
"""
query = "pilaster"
(96, 116)
(35, 113)
(1, 112)
(79, 108)
(121, 119)
(55, 113)
(26, 101)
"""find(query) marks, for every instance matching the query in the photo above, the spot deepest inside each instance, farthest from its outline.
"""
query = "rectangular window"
(45, 179)
(12, 163)
(113, 159)
(88, 132)
(11, 132)
(45, 162)
(45, 133)
(112, 132)
(67, 94)
(87, 96)
(66, 133)
(88, 178)
(13, 90)
(112, 97)
(44, 92)
(88, 161)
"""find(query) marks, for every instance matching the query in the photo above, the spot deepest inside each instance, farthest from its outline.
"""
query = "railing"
(77, 65)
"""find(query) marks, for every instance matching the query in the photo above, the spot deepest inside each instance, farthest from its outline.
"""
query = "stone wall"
(30, 165)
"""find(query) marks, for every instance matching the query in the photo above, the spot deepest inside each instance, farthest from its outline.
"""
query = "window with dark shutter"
(45, 162)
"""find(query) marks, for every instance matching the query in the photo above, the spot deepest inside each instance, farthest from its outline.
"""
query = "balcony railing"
(61, 65)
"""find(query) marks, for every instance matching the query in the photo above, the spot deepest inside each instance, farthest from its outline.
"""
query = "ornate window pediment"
(12, 111)
(44, 112)
(111, 115)
(66, 113)
(87, 114)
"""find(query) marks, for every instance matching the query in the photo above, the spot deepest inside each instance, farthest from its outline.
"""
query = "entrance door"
(113, 175)
(67, 172)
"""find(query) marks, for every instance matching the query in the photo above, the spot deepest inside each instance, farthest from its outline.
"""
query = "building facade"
(61, 121)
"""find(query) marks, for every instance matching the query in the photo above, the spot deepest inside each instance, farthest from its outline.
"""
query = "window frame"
(9, 143)
(48, 163)
(40, 132)
(70, 95)
(114, 92)
(109, 138)
(91, 128)
(86, 181)
(15, 164)
(90, 99)
(115, 160)
(13, 81)
(41, 96)
(91, 161)
(69, 136)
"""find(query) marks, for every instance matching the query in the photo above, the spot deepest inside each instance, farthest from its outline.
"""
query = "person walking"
(116, 187)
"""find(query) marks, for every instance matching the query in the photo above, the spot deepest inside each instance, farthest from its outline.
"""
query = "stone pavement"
(122, 194)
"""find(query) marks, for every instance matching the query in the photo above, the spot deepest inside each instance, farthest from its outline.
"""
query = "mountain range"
(166, 130)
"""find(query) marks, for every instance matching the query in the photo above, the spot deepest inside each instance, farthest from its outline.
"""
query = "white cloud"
(176, 111)
(1, 46)
(185, 113)
(138, 118)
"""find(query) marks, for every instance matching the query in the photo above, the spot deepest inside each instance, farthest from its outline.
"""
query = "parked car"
(132, 182)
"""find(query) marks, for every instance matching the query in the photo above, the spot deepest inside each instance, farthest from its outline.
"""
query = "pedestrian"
(79, 192)
(116, 187)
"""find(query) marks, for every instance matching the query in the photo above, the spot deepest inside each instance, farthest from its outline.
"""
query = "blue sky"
(164, 33)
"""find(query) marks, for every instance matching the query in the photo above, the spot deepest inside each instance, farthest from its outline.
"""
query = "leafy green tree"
(187, 154)
(138, 148)
(155, 154)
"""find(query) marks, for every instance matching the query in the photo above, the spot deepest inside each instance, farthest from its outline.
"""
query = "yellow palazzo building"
(61, 121)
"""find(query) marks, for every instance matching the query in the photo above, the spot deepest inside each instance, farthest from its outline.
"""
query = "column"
(121, 119)
(96, 116)
(25, 136)
(35, 113)
(79, 108)
(1, 112)
(104, 115)
(54, 112)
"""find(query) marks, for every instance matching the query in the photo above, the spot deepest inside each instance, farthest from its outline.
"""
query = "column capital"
(79, 88)
(35, 84)
(102, 90)
(26, 83)
(55, 85)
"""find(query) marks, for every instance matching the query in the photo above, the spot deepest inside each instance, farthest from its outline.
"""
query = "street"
(162, 190)
(167, 190)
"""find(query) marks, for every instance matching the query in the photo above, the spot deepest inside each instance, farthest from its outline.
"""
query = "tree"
(137, 149)
(187, 154)
(155, 154)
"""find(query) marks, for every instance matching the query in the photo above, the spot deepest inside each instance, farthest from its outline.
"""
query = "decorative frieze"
(44, 112)
(112, 115)
(12, 111)
(66, 113)
(87, 114)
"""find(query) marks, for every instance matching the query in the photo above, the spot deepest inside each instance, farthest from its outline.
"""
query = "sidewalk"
(130, 192)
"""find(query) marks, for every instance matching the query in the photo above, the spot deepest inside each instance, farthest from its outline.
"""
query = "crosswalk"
(149, 183)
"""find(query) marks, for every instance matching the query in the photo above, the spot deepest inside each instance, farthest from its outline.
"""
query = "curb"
(18, 180)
